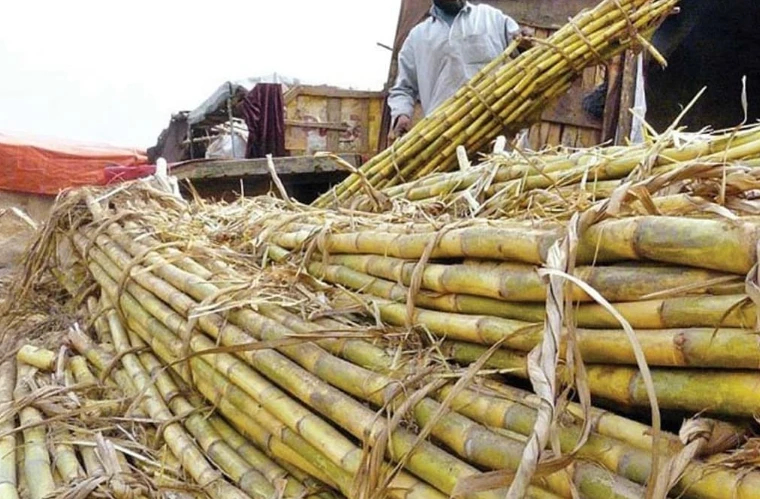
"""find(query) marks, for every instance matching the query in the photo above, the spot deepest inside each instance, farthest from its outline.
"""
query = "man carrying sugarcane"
(443, 53)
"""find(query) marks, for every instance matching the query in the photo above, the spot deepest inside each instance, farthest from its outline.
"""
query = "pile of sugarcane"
(520, 183)
(261, 380)
(506, 95)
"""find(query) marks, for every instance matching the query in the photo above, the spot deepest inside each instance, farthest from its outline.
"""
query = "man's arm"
(511, 29)
(404, 94)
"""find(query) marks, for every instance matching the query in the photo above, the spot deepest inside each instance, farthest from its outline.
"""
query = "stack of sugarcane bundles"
(507, 95)
(511, 184)
(323, 395)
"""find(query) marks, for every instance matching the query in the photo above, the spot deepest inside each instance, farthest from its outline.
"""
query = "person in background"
(443, 53)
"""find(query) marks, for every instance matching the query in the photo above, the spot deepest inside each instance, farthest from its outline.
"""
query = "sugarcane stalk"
(23, 489)
(40, 358)
(57, 480)
(37, 465)
(98, 321)
(521, 283)
(8, 480)
(731, 393)
(733, 311)
(92, 465)
(525, 245)
(673, 240)
(708, 244)
(81, 371)
(315, 222)
(66, 462)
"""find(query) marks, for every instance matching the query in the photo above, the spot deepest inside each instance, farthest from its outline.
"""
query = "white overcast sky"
(114, 72)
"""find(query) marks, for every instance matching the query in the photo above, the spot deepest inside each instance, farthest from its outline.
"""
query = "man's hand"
(526, 37)
(402, 126)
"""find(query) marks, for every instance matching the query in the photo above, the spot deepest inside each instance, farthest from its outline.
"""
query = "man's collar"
(434, 12)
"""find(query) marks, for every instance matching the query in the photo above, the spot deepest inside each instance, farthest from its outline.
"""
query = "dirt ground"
(19, 214)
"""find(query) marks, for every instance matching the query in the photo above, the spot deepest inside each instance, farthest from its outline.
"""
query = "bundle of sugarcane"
(65, 433)
(508, 184)
(507, 95)
(367, 416)
(93, 425)
(678, 281)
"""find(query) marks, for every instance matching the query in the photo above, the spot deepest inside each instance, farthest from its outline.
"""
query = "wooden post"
(612, 102)
(365, 118)
(232, 123)
(334, 106)
(190, 139)
(627, 98)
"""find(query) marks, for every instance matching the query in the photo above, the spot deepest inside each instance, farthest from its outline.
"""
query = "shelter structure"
(248, 119)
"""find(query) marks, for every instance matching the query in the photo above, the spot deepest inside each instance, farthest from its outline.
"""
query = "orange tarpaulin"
(47, 166)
